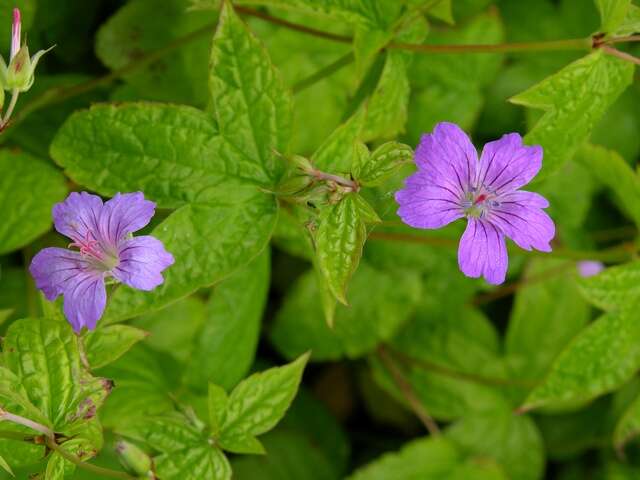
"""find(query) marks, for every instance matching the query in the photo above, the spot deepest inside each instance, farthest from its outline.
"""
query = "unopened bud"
(20, 74)
(134, 459)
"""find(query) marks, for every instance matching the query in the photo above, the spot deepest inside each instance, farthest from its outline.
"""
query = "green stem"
(106, 472)
(323, 73)
(551, 45)
(407, 391)
(12, 104)
(449, 372)
(619, 253)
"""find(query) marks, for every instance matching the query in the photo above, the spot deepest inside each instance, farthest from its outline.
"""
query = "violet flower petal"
(54, 270)
(483, 252)
(125, 213)
(590, 268)
(448, 157)
(85, 300)
(507, 164)
(142, 260)
(425, 205)
(528, 226)
(78, 216)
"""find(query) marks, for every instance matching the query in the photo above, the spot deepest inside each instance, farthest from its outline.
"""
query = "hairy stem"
(19, 420)
(617, 53)
(329, 177)
(105, 472)
(407, 391)
(12, 104)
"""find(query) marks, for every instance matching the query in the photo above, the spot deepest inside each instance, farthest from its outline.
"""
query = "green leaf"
(381, 301)
(107, 344)
(628, 426)
(289, 456)
(365, 210)
(428, 459)
(613, 171)
(174, 154)
(5, 466)
(144, 26)
(601, 358)
(612, 13)
(44, 356)
(513, 441)
(224, 348)
(553, 310)
(573, 99)
(382, 164)
(195, 463)
(339, 242)
(254, 116)
(143, 385)
(217, 401)
(631, 23)
(243, 445)
(614, 287)
(208, 242)
(336, 154)
(174, 328)
(27, 216)
(58, 468)
(258, 403)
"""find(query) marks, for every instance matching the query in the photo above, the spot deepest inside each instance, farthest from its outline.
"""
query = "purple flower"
(590, 268)
(102, 233)
(451, 183)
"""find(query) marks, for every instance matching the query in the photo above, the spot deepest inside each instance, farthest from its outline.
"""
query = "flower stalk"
(19, 420)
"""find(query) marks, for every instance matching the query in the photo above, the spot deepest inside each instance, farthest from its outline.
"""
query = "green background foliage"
(304, 332)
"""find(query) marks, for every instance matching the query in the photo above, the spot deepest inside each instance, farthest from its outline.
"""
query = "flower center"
(89, 247)
(478, 201)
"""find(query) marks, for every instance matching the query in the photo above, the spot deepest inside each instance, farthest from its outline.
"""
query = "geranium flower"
(451, 183)
(102, 233)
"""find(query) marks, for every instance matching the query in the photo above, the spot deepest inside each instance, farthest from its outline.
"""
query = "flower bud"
(20, 73)
(134, 459)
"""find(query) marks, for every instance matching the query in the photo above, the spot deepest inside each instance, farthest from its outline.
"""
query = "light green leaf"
(243, 445)
(367, 43)
(224, 348)
(14, 398)
(614, 172)
(380, 302)
(513, 441)
(428, 459)
(208, 242)
(26, 216)
(382, 164)
(195, 463)
(143, 26)
(612, 13)
(601, 358)
(5, 466)
(58, 468)
(573, 99)
(631, 23)
(386, 109)
(339, 242)
(254, 116)
(174, 154)
(169, 433)
(336, 154)
(217, 402)
(553, 310)
(365, 210)
(614, 287)
(44, 356)
(108, 343)
(628, 426)
(258, 403)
